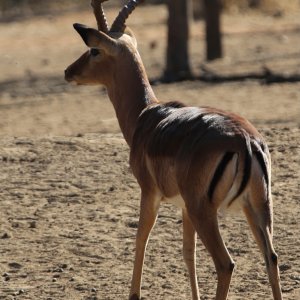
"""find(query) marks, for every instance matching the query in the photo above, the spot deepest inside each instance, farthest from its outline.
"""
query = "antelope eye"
(94, 52)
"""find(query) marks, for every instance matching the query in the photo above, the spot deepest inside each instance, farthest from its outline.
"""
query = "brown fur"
(177, 151)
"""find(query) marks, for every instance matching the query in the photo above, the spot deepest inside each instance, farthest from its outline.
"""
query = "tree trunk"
(213, 30)
(178, 66)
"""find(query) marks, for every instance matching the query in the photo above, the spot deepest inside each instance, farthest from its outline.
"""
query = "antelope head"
(109, 49)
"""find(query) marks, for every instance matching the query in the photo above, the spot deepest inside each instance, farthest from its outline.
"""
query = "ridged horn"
(100, 15)
(119, 23)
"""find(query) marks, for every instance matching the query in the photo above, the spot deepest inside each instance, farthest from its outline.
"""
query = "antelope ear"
(97, 39)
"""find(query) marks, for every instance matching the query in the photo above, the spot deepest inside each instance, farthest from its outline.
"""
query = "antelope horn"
(119, 23)
(100, 15)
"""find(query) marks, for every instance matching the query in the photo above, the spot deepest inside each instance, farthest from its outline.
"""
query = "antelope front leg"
(148, 213)
(189, 252)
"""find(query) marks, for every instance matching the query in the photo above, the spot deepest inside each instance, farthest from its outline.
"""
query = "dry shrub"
(265, 6)
(19, 9)
(11, 9)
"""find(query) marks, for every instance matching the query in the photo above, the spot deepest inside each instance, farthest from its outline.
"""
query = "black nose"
(67, 75)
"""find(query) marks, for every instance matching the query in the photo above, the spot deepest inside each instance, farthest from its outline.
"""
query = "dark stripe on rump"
(262, 163)
(219, 173)
(246, 174)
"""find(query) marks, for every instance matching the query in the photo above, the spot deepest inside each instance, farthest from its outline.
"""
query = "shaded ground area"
(68, 201)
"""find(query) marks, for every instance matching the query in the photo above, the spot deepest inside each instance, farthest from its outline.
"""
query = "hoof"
(134, 297)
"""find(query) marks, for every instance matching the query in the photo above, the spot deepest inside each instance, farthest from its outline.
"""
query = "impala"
(201, 159)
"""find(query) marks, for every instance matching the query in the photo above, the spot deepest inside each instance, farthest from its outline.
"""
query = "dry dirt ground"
(68, 201)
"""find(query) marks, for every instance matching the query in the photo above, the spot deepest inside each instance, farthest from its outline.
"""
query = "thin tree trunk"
(213, 29)
(178, 66)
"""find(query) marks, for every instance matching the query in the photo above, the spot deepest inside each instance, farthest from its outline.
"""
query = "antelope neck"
(130, 93)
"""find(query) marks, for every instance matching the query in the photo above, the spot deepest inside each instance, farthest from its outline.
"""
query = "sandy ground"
(69, 203)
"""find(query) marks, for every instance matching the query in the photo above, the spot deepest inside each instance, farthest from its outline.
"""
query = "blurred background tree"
(180, 15)
(212, 11)
(177, 56)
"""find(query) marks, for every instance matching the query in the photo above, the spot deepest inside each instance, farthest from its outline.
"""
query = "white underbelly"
(177, 201)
